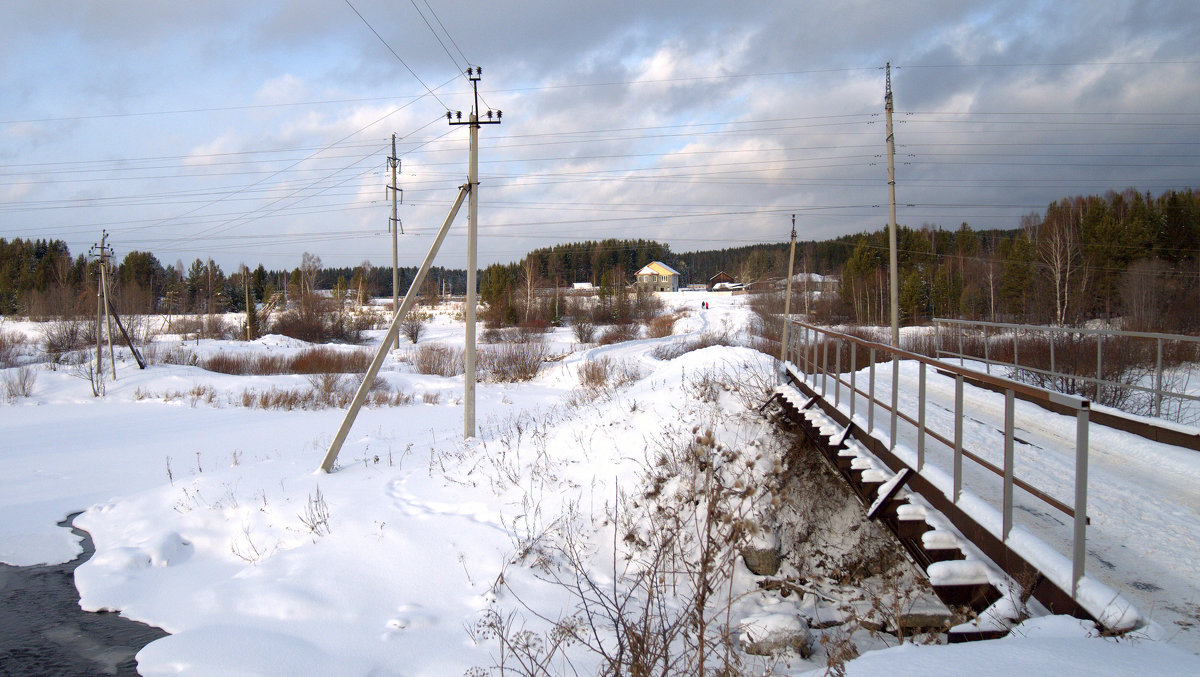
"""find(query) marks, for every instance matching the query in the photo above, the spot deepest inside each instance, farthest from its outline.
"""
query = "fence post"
(837, 374)
(1081, 479)
(921, 419)
(1158, 379)
(937, 340)
(853, 377)
(1099, 361)
(987, 359)
(1016, 352)
(871, 396)
(959, 331)
(1053, 371)
(895, 400)
(1008, 463)
(824, 365)
(958, 435)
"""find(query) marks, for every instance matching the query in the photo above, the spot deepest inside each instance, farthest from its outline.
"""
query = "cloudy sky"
(254, 131)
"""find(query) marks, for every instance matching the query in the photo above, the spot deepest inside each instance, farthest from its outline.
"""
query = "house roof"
(657, 268)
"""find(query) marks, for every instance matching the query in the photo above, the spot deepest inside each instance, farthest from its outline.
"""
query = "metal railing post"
(921, 419)
(1053, 371)
(853, 377)
(958, 435)
(824, 365)
(1016, 351)
(1158, 376)
(937, 340)
(987, 360)
(960, 345)
(1081, 480)
(871, 396)
(837, 374)
(1099, 360)
(1009, 433)
(895, 400)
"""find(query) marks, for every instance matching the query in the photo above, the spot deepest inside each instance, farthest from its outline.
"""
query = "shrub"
(19, 382)
(60, 337)
(315, 360)
(618, 333)
(585, 331)
(661, 326)
(438, 360)
(413, 325)
(602, 373)
(12, 344)
(509, 362)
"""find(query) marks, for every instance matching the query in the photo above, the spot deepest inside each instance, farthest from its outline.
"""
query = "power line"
(389, 48)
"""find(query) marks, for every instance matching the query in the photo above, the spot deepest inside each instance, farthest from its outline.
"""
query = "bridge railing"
(832, 362)
(1144, 373)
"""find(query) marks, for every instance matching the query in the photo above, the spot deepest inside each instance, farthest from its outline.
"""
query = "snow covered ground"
(211, 521)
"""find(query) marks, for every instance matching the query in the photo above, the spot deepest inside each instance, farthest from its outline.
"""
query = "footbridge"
(984, 480)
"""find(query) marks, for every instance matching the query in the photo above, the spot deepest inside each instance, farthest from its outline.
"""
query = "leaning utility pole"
(472, 244)
(394, 226)
(894, 275)
(787, 300)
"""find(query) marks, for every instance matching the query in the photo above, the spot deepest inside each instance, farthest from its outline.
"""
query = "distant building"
(657, 276)
(722, 278)
(585, 286)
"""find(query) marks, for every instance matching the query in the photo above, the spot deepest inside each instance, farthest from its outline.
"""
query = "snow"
(206, 516)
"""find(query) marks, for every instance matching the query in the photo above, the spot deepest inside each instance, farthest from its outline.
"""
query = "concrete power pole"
(103, 321)
(787, 300)
(394, 226)
(473, 121)
(894, 268)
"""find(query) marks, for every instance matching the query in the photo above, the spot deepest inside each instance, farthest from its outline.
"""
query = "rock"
(770, 634)
(762, 561)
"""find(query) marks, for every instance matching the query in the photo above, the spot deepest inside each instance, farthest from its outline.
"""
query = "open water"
(44, 632)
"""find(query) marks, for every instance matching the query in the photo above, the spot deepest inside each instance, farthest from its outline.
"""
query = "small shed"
(657, 276)
(720, 278)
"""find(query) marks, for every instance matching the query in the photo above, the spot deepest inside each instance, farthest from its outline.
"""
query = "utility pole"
(394, 226)
(787, 300)
(473, 121)
(102, 318)
(892, 257)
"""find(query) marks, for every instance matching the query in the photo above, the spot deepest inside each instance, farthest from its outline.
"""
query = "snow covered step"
(964, 582)
(941, 546)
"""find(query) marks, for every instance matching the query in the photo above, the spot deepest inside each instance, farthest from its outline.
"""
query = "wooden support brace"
(888, 491)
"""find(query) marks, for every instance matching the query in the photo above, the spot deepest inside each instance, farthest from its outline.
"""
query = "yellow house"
(657, 276)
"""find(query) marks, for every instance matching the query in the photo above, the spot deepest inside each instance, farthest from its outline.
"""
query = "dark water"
(44, 632)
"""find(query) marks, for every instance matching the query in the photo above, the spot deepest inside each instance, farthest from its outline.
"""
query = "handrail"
(803, 351)
(1157, 389)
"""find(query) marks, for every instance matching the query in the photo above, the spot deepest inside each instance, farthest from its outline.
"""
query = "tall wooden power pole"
(473, 121)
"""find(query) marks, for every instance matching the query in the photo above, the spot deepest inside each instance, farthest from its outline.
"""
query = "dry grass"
(316, 360)
(604, 373)
(661, 326)
(674, 349)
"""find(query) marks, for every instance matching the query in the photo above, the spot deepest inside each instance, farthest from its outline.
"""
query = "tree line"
(1127, 254)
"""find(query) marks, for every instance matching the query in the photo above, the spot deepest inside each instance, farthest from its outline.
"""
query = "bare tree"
(1058, 248)
(310, 268)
